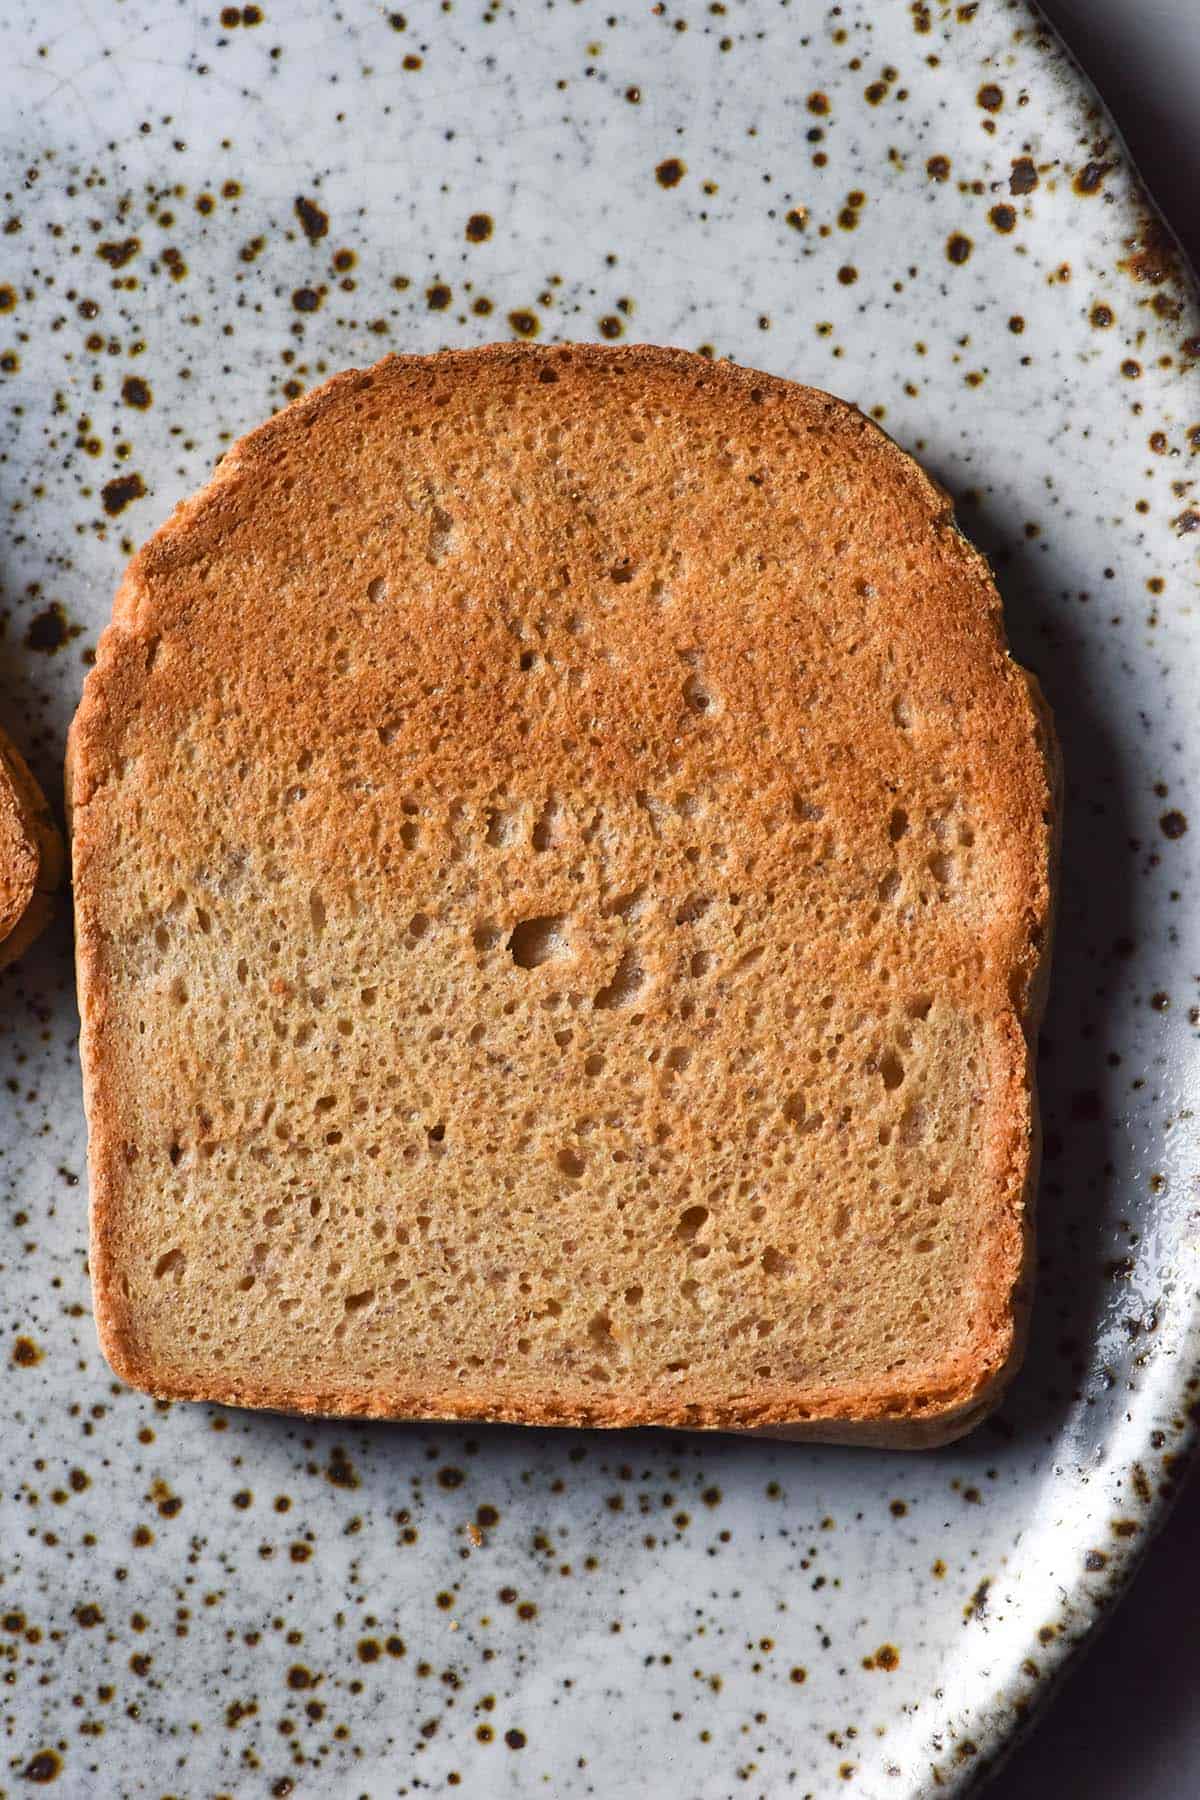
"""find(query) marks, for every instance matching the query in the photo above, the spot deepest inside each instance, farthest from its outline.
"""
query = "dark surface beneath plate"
(1144, 57)
(1124, 1722)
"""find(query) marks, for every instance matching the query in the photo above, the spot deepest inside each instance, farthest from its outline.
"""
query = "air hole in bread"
(441, 532)
(600, 1331)
(624, 986)
(891, 1070)
(795, 1111)
(913, 1123)
(902, 716)
(698, 696)
(502, 828)
(898, 824)
(691, 1221)
(537, 941)
(889, 887)
(693, 909)
(542, 836)
(627, 906)
(172, 1262)
(571, 1163)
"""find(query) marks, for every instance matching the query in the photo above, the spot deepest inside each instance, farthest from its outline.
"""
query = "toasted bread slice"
(31, 855)
(563, 878)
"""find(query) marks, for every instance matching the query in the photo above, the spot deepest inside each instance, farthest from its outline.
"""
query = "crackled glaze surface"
(205, 211)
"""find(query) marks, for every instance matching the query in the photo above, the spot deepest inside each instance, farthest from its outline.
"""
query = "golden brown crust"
(165, 597)
(31, 855)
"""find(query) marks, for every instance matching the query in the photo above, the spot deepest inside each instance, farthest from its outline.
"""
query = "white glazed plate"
(924, 209)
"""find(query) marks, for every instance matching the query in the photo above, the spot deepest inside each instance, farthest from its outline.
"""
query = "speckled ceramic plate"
(924, 208)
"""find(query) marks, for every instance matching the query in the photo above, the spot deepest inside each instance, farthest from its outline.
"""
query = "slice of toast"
(31, 855)
(563, 871)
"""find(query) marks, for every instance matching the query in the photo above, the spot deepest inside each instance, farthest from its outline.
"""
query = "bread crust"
(31, 855)
(157, 598)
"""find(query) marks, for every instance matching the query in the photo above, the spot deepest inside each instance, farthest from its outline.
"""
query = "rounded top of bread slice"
(31, 854)
(563, 868)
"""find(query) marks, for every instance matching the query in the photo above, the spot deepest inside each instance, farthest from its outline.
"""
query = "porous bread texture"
(31, 855)
(563, 878)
